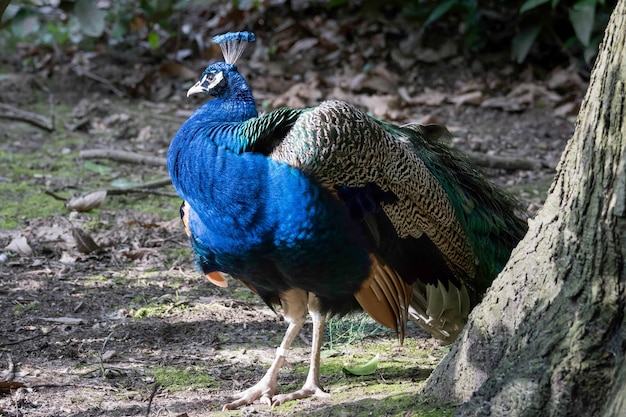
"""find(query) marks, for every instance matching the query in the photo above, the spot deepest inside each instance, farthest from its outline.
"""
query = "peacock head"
(220, 78)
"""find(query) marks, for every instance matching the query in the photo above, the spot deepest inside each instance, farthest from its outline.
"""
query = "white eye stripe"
(216, 80)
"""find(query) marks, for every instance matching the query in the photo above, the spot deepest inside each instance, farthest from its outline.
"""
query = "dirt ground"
(127, 327)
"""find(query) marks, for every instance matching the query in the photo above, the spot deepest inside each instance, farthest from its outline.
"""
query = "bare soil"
(131, 328)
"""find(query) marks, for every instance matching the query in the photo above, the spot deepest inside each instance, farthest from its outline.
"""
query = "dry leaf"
(380, 106)
(564, 80)
(87, 202)
(19, 245)
(429, 55)
(108, 355)
(67, 258)
(84, 242)
(298, 94)
(303, 44)
(429, 97)
(569, 108)
(523, 96)
(144, 134)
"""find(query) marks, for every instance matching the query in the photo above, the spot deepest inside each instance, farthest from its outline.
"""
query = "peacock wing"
(339, 144)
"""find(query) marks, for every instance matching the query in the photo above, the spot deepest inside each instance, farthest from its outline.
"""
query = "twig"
(13, 113)
(122, 156)
(22, 340)
(55, 196)
(146, 187)
(501, 162)
(101, 352)
(155, 389)
(176, 304)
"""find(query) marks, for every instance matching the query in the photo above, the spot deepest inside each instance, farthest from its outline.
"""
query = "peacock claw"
(262, 391)
(305, 392)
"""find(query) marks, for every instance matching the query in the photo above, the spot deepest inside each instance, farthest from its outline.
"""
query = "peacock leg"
(312, 385)
(294, 304)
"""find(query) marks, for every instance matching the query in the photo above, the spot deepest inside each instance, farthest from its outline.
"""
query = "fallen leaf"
(19, 245)
(144, 134)
(381, 106)
(367, 368)
(84, 242)
(564, 80)
(108, 355)
(523, 96)
(429, 97)
(298, 94)
(67, 258)
(87, 202)
(430, 56)
(567, 109)
(303, 44)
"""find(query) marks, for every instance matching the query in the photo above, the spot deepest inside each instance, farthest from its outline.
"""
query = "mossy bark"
(549, 337)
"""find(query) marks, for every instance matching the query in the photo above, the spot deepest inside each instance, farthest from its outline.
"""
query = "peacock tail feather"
(441, 206)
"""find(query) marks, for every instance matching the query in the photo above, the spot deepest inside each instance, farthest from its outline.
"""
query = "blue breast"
(262, 221)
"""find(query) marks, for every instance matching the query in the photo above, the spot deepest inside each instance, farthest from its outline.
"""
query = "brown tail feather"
(386, 297)
(390, 301)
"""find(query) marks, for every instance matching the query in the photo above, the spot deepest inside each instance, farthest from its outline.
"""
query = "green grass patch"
(181, 379)
(22, 308)
(158, 307)
(393, 390)
(51, 163)
(24, 201)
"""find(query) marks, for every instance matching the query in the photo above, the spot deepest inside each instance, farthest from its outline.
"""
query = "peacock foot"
(308, 390)
(264, 391)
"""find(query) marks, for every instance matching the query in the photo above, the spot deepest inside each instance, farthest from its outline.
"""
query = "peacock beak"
(206, 84)
(196, 89)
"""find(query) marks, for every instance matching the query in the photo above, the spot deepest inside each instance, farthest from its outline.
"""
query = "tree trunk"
(549, 337)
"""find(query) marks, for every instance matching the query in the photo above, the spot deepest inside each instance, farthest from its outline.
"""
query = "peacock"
(327, 210)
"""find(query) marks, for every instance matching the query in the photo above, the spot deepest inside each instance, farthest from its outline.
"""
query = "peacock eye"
(210, 78)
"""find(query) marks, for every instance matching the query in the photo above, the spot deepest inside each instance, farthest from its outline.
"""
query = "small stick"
(13, 113)
(502, 162)
(146, 187)
(55, 196)
(155, 389)
(122, 156)
(21, 340)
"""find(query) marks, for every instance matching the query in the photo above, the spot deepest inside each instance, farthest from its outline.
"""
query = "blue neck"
(236, 106)
(215, 124)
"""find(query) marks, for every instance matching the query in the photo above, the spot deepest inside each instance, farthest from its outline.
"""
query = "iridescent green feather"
(493, 220)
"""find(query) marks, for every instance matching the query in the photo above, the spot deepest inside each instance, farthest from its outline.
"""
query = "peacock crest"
(233, 44)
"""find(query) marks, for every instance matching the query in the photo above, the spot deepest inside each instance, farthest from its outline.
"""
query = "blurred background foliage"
(543, 31)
